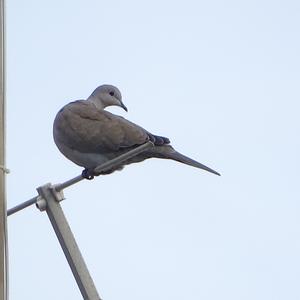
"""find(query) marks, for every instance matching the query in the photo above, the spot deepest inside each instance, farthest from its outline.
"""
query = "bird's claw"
(88, 174)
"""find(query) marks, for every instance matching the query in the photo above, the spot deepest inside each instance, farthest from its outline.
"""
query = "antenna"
(49, 198)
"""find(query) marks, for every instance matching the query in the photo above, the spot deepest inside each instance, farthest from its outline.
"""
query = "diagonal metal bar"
(59, 187)
(67, 241)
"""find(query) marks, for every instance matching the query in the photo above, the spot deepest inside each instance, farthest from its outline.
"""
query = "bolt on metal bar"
(103, 167)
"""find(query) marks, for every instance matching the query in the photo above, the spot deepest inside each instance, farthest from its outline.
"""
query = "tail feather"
(170, 153)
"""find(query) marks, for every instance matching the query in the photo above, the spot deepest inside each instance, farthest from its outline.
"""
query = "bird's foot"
(88, 174)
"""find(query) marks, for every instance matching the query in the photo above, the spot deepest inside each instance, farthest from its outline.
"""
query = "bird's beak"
(123, 106)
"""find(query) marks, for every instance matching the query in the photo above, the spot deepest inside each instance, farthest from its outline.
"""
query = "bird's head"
(106, 95)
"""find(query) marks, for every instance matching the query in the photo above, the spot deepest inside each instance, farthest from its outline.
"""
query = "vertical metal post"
(49, 201)
(3, 227)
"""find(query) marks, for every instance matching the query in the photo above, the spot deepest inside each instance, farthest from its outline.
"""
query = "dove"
(89, 136)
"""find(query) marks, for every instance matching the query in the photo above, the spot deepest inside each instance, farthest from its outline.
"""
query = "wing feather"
(79, 125)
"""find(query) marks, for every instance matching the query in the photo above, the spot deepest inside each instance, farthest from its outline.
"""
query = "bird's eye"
(112, 93)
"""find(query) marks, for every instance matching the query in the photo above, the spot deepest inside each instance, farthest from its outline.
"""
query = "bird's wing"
(79, 125)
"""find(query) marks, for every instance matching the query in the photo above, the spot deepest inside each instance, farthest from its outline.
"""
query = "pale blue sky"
(221, 80)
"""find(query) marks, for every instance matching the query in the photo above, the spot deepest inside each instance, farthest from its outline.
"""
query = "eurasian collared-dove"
(89, 136)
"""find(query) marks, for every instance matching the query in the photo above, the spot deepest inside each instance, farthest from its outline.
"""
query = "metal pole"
(107, 165)
(50, 202)
(3, 226)
(21, 206)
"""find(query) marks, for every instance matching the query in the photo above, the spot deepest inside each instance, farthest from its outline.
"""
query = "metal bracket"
(41, 202)
(4, 169)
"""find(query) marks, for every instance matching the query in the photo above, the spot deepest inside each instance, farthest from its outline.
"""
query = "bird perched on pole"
(89, 135)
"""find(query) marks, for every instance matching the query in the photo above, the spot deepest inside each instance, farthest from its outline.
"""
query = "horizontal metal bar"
(68, 183)
(22, 206)
(106, 166)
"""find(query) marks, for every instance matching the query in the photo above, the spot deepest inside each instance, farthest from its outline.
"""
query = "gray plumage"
(89, 135)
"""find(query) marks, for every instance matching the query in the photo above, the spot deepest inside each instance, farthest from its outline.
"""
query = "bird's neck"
(99, 105)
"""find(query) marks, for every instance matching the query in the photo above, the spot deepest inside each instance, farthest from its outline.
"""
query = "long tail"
(169, 152)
